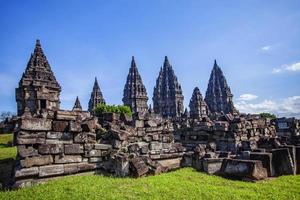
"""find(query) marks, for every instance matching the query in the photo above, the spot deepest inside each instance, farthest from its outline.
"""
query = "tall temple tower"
(167, 95)
(96, 97)
(77, 105)
(135, 94)
(218, 95)
(198, 107)
(38, 89)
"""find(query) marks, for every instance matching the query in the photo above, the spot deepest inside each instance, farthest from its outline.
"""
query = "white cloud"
(287, 107)
(266, 48)
(292, 68)
(247, 97)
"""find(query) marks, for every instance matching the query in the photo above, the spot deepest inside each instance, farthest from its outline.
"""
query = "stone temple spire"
(167, 95)
(218, 95)
(96, 97)
(38, 89)
(198, 107)
(135, 95)
(77, 105)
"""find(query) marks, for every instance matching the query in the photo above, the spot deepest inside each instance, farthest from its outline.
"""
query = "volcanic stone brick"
(73, 148)
(95, 153)
(54, 135)
(26, 152)
(71, 168)
(121, 166)
(88, 126)
(212, 165)
(51, 170)
(85, 137)
(282, 162)
(95, 159)
(155, 146)
(103, 146)
(75, 127)
(36, 124)
(50, 148)
(84, 166)
(298, 159)
(27, 172)
(60, 126)
(31, 138)
(36, 161)
(245, 169)
(266, 159)
(138, 167)
(67, 159)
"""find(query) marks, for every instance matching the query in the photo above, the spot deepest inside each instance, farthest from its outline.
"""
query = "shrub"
(119, 109)
(268, 115)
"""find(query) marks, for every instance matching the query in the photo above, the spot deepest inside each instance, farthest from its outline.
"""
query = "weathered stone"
(89, 125)
(266, 159)
(138, 167)
(26, 152)
(85, 166)
(298, 159)
(66, 115)
(155, 146)
(282, 162)
(60, 126)
(31, 138)
(198, 107)
(36, 161)
(121, 166)
(50, 149)
(27, 172)
(71, 168)
(67, 159)
(139, 123)
(170, 164)
(103, 146)
(85, 137)
(56, 141)
(95, 153)
(95, 159)
(150, 123)
(75, 127)
(36, 124)
(73, 149)
(245, 169)
(212, 165)
(54, 135)
(51, 170)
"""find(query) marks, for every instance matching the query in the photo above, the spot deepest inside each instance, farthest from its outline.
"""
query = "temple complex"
(135, 94)
(198, 107)
(52, 142)
(38, 89)
(96, 97)
(218, 95)
(167, 95)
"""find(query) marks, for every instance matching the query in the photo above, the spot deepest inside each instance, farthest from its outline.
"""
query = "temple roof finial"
(166, 62)
(77, 105)
(133, 62)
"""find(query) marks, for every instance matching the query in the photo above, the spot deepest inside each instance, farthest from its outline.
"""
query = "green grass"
(5, 150)
(181, 184)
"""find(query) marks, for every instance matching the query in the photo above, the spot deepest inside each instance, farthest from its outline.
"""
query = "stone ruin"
(213, 137)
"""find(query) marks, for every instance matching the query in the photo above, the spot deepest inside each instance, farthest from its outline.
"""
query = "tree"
(6, 114)
(268, 115)
(103, 108)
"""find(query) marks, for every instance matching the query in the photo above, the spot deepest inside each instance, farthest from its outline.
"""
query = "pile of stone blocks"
(59, 145)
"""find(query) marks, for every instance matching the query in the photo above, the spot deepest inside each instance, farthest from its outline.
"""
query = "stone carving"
(96, 97)
(218, 95)
(198, 107)
(135, 95)
(38, 89)
(167, 95)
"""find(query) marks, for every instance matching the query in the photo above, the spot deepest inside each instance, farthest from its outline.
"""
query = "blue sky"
(256, 43)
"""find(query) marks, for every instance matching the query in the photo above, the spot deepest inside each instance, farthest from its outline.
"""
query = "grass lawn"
(5, 150)
(181, 184)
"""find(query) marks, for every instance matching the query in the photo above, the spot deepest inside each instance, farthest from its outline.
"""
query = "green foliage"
(6, 151)
(181, 184)
(103, 108)
(268, 115)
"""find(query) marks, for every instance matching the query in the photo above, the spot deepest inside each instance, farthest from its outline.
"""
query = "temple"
(218, 95)
(198, 107)
(167, 95)
(135, 94)
(96, 97)
(77, 105)
(38, 89)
